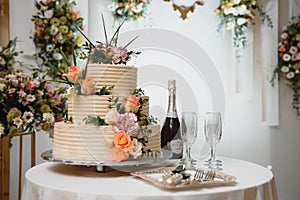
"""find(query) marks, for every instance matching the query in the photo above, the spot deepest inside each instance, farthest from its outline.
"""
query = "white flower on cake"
(136, 149)
(112, 116)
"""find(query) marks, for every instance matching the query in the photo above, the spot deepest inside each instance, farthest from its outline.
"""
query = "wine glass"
(213, 133)
(188, 134)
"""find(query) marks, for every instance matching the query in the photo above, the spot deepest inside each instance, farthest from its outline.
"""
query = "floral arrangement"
(29, 104)
(8, 63)
(109, 52)
(125, 117)
(289, 58)
(55, 35)
(129, 9)
(239, 15)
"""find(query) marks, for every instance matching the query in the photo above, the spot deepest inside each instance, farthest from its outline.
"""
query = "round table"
(58, 181)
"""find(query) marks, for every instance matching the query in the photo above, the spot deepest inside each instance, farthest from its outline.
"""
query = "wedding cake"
(107, 126)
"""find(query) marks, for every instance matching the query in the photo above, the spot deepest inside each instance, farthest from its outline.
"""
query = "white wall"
(246, 133)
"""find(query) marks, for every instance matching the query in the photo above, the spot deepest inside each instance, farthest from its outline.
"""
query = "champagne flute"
(188, 134)
(213, 133)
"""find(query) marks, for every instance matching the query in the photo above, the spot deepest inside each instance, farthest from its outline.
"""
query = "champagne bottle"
(170, 132)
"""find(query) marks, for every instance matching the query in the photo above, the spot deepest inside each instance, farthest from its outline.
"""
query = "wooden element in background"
(4, 22)
(5, 141)
(4, 167)
(183, 9)
(32, 134)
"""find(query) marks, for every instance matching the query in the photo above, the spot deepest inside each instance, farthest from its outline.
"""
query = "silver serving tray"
(162, 159)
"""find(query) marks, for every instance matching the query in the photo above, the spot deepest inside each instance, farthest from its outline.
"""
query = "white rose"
(290, 75)
(50, 47)
(285, 69)
(286, 57)
(234, 11)
(136, 149)
(242, 9)
(236, 2)
(241, 21)
(230, 25)
(226, 11)
(53, 30)
(284, 35)
(57, 56)
(112, 116)
(48, 14)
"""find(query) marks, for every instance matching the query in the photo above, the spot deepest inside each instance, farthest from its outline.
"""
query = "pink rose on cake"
(118, 154)
(132, 103)
(87, 85)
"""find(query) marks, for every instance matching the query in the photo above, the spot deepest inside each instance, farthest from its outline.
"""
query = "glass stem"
(187, 154)
(213, 154)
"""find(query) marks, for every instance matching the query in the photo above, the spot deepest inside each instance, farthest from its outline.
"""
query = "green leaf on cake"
(97, 121)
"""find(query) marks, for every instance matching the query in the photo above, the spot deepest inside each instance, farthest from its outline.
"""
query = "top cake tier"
(122, 77)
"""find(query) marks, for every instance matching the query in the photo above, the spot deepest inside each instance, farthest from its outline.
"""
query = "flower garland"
(238, 15)
(128, 9)
(55, 33)
(288, 66)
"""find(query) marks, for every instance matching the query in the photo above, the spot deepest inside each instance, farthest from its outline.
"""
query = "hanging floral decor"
(239, 15)
(8, 53)
(55, 35)
(129, 9)
(288, 66)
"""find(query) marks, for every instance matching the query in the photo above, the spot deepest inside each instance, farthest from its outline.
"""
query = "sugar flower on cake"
(288, 67)
(132, 103)
(76, 77)
(109, 52)
(128, 123)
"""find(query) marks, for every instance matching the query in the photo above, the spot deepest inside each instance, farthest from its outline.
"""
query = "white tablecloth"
(55, 181)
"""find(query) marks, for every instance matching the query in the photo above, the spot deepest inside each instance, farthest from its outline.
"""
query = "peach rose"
(132, 103)
(87, 85)
(118, 154)
(123, 141)
(73, 73)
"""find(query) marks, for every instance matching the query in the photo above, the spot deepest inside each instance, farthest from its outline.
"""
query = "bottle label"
(176, 146)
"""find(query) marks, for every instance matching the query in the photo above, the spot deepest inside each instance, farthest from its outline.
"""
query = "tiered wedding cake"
(125, 120)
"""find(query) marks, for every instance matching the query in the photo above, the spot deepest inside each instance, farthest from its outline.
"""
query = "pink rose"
(73, 73)
(87, 85)
(117, 154)
(132, 103)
